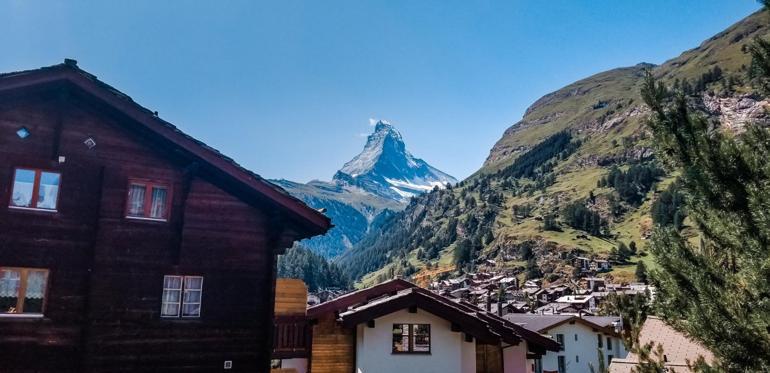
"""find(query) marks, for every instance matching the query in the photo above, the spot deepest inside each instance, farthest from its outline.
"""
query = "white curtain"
(158, 208)
(193, 289)
(136, 200)
(9, 283)
(36, 281)
(172, 294)
(48, 191)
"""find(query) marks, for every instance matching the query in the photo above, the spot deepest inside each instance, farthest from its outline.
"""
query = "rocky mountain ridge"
(376, 183)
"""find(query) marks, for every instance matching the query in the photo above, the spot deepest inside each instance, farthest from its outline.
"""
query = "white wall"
(585, 347)
(300, 365)
(515, 358)
(449, 351)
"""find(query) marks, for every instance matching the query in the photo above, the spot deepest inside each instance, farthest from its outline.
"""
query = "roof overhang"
(310, 221)
(469, 324)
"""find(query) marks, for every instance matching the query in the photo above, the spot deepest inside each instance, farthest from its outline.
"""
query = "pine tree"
(632, 248)
(533, 271)
(641, 272)
(718, 294)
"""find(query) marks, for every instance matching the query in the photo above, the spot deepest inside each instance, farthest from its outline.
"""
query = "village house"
(591, 265)
(126, 244)
(583, 340)
(398, 327)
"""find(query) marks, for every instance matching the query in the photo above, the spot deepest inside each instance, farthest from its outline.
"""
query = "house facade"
(126, 245)
(583, 340)
(398, 327)
(427, 343)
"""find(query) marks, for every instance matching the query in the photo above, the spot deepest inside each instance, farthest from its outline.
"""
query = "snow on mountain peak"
(386, 168)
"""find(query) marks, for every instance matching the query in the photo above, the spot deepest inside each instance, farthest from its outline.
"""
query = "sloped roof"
(358, 297)
(312, 220)
(541, 323)
(394, 295)
(677, 347)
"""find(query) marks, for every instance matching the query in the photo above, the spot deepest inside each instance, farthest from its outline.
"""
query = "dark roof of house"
(538, 323)
(541, 323)
(313, 221)
(391, 296)
(603, 321)
(357, 297)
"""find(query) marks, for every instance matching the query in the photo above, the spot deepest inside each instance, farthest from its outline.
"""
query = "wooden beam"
(61, 106)
(178, 212)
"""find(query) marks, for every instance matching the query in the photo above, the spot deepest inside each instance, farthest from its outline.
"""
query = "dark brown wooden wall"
(108, 319)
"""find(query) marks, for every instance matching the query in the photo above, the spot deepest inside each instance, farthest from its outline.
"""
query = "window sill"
(410, 353)
(33, 209)
(178, 320)
(154, 220)
(21, 316)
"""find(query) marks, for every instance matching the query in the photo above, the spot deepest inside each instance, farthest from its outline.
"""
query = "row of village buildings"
(129, 246)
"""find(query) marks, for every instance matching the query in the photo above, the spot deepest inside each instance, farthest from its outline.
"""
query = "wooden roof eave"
(348, 300)
(468, 323)
(309, 220)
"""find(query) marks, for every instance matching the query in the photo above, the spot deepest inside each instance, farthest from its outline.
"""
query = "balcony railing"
(291, 337)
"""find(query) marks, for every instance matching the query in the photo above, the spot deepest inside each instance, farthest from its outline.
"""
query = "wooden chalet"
(125, 244)
(399, 327)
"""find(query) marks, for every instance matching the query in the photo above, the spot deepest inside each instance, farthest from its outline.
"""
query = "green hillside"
(536, 194)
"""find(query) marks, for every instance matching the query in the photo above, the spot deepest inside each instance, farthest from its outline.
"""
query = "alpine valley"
(577, 176)
(369, 189)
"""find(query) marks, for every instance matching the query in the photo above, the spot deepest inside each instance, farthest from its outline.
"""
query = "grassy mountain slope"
(559, 207)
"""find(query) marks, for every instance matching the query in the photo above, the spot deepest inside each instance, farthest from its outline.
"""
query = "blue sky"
(287, 88)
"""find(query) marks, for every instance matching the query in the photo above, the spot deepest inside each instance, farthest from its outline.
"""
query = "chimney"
(70, 62)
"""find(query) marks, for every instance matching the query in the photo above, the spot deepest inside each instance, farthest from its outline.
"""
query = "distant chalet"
(126, 245)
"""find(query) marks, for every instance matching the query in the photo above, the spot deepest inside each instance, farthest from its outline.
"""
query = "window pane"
(191, 310)
(400, 337)
(421, 338)
(49, 190)
(192, 296)
(136, 200)
(23, 186)
(158, 208)
(170, 309)
(35, 294)
(172, 282)
(10, 281)
(172, 296)
(193, 283)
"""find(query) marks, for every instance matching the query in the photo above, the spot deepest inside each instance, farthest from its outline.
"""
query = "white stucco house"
(584, 340)
(397, 327)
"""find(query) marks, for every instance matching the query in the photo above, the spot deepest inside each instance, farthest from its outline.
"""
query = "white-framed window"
(181, 296)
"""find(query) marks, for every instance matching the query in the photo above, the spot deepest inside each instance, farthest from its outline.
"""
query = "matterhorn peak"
(386, 168)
